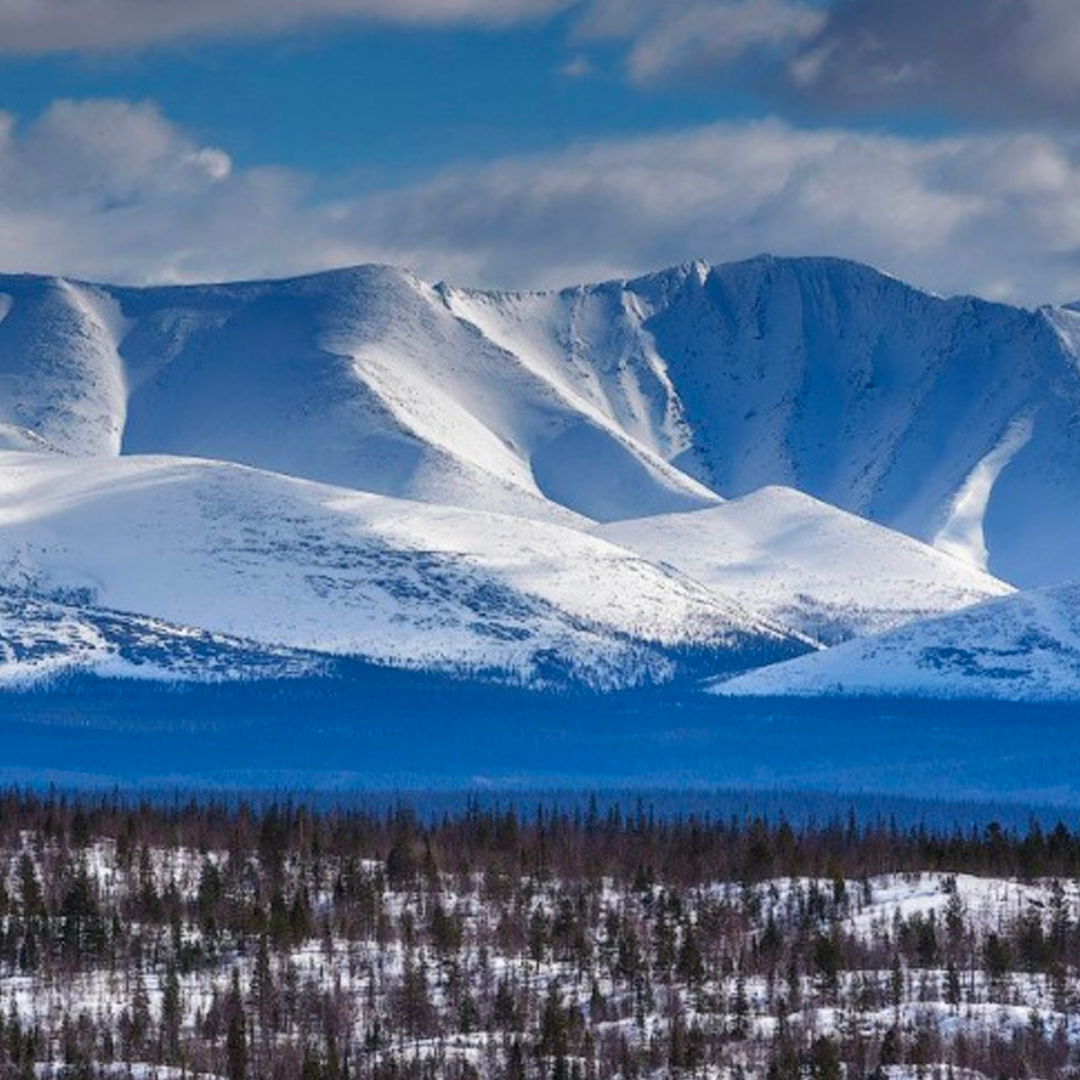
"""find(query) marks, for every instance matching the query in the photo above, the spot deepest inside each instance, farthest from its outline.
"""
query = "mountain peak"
(603, 402)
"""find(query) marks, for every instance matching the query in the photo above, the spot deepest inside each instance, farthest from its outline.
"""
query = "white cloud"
(114, 191)
(43, 26)
(711, 37)
(106, 154)
(577, 67)
(675, 39)
(989, 214)
(662, 39)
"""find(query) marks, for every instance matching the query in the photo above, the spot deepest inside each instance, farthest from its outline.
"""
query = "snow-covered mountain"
(591, 484)
(362, 378)
(953, 421)
(290, 563)
(805, 564)
(1024, 647)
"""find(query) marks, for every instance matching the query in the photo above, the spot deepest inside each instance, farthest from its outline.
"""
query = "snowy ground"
(1020, 648)
(364, 973)
(825, 572)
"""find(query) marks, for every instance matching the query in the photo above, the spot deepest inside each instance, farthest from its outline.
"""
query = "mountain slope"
(62, 382)
(808, 565)
(287, 562)
(953, 420)
(42, 637)
(950, 420)
(361, 378)
(1019, 648)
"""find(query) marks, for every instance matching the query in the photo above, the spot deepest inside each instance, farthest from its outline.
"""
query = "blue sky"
(386, 101)
(539, 142)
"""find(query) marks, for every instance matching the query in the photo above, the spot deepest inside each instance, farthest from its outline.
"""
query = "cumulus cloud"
(42, 26)
(1002, 58)
(114, 191)
(672, 39)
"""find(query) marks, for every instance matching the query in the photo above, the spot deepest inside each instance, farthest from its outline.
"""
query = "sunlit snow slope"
(829, 573)
(950, 420)
(1020, 648)
(362, 378)
(292, 563)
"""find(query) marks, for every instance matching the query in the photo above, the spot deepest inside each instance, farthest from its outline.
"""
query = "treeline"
(622, 843)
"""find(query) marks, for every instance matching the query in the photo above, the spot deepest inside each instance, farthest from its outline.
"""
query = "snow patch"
(962, 535)
(1024, 647)
(805, 564)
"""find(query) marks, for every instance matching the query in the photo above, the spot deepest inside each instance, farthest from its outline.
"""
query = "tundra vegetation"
(279, 940)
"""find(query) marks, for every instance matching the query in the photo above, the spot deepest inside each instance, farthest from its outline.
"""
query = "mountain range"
(780, 476)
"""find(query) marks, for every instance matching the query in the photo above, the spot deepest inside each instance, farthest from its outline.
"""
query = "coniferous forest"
(282, 940)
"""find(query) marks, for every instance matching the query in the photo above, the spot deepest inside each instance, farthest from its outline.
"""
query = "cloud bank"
(112, 190)
(1004, 59)
(1007, 60)
(34, 27)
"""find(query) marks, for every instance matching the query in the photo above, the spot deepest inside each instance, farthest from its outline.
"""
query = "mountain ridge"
(511, 435)
(655, 394)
